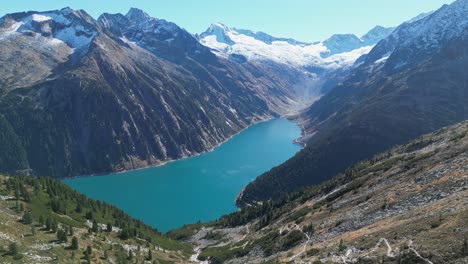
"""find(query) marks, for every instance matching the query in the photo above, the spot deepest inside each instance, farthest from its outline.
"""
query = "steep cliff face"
(411, 83)
(106, 96)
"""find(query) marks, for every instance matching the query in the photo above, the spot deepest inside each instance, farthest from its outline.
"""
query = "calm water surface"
(197, 188)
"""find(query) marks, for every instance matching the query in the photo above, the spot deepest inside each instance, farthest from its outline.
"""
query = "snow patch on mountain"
(50, 28)
(336, 52)
(425, 34)
(40, 18)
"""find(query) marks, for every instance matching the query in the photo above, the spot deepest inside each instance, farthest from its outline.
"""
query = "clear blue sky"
(306, 20)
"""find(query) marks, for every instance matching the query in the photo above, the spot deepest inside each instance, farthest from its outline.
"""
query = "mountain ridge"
(379, 105)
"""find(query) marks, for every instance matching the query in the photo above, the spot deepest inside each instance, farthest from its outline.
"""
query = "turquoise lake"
(199, 188)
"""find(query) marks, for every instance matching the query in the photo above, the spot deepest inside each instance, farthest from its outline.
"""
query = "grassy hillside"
(40, 218)
(406, 205)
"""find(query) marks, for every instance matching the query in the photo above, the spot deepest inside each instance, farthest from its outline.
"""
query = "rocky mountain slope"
(41, 218)
(406, 205)
(411, 83)
(84, 96)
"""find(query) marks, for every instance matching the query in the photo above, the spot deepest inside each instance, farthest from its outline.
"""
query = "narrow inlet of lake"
(199, 188)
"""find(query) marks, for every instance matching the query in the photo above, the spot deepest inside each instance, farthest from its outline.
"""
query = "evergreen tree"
(124, 234)
(70, 230)
(27, 219)
(465, 248)
(33, 230)
(27, 196)
(53, 226)
(87, 257)
(37, 188)
(341, 247)
(150, 255)
(13, 249)
(74, 243)
(109, 227)
(48, 224)
(62, 236)
(41, 220)
(79, 209)
(89, 250)
(95, 227)
(130, 255)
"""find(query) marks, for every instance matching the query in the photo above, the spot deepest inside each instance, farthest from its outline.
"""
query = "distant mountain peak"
(219, 31)
(136, 14)
(340, 43)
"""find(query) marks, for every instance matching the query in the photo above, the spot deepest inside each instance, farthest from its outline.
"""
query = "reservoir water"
(199, 188)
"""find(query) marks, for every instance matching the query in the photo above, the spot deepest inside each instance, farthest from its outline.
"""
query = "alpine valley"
(129, 91)
(381, 175)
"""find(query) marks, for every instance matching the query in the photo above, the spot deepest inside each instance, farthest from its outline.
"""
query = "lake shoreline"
(162, 163)
(191, 184)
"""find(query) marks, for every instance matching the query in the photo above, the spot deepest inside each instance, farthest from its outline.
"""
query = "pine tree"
(88, 257)
(41, 220)
(109, 227)
(48, 224)
(79, 209)
(27, 219)
(62, 236)
(150, 255)
(17, 194)
(13, 249)
(89, 250)
(465, 248)
(95, 227)
(130, 255)
(341, 247)
(74, 243)
(33, 230)
(53, 226)
(70, 230)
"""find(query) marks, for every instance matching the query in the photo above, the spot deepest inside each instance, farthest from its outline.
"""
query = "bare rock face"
(82, 96)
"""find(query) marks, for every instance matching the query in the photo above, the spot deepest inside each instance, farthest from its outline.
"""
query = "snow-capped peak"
(421, 36)
(51, 28)
(144, 22)
(338, 51)
(219, 31)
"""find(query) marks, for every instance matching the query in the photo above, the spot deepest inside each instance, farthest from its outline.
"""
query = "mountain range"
(121, 92)
(325, 62)
(167, 95)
